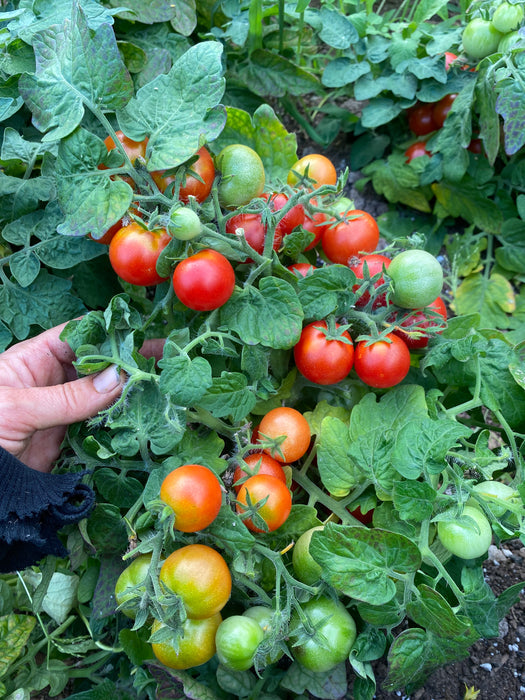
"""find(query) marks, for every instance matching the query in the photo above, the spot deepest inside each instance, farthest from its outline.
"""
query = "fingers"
(71, 402)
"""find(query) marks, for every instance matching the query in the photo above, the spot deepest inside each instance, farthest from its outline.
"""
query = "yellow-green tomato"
(264, 616)
(236, 640)
(184, 224)
(194, 647)
(334, 636)
(305, 568)
(480, 38)
(466, 540)
(497, 495)
(242, 175)
(131, 584)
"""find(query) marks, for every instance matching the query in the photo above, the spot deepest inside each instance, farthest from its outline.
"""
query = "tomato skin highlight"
(277, 507)
(204, 281)
(200, 576)
(259, 463)
(382, 364)
(350, 237)
(194, 493)
(290, 422)
(134, 251)
(316, 167)
(420, 119)
(195, 647)
(320, 359)
(336, 629)
(464, 541)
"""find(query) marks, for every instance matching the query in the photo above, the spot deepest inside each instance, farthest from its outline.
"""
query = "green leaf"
(379, 111)
(338, 474)
(145, 13)
(337, 31)
(202, 448)
(19, 196)
(489, 122)
(271, 315)
(427, 9)
(14, 634)
(25, 266)
(149, 419)
(344, 71)
(499, 389)
(467, 200)
(106, 529)
(136, 649)
(491, 297)
(117, 487)
(265, 134)
(360, 562)
(61, 596)
(509, 105)
(179, 111)
(398, 182)
(414, 500)
(422, 445)
(317, 683)
(481, 605)
(91, 200)
(511, 253)
(229, 395)
(65, 81)
(184, 379)
(266, 73)
(327, 291)
(230, 533)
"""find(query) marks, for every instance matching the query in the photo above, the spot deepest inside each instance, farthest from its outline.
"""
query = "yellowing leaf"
(493, 298)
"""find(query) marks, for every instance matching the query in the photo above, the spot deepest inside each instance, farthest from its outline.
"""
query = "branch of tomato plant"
(290, 107)
(511, 437)
(317, 495)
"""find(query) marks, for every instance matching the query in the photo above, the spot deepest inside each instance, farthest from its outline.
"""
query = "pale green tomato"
(466, 541)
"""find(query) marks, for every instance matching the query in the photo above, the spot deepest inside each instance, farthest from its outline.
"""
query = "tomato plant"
(305, 567)
(301, 268)
(332, 638)
(383, 363)
(194, 647)
(315, 169)
(237, 639)
(290, 431)
(258, 463)
(185, 224)
(467, 538)
(204, 281)
(507, 17)
(323, 355)
(357, 233)
(316, 224)
(133, 149)
(200, 576)
(195, 494)
(293, 218)
(272, 499)
(417, 279)
(196, 182)
(242, 175)
(134, 251)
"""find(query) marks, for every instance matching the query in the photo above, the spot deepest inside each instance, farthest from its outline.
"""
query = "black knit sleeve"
(34, 506)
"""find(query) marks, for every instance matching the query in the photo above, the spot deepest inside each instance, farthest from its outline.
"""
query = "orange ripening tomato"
(134, 149)
(288, 422)
(194, 493)
(200, 576)
(274, 510)
(258, 463)
(197, 182)
(317, 168)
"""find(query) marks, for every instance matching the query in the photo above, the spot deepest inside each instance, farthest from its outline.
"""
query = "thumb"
(74, 401)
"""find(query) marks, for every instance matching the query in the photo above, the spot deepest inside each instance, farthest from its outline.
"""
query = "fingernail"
(107, 380)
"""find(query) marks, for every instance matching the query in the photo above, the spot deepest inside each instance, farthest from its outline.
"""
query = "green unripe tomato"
(508, 42)
(417, 279)
(237, 639)
(131, 583)
(507, 17)
(335, 634)
(480, 38)
(184, 224)
(264, 618)
(496, 490)
(305, 568)
(466, 541)
(242, 175)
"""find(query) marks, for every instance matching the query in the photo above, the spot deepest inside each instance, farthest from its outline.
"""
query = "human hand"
(40, 396)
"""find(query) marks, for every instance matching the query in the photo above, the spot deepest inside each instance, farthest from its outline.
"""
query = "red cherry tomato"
(450, 58)
(204, 281)
(416, 150)
(375, 263)
(421, 120)
(316, 224)
(422, 321)
(351, 237)
(301, 268)
(442, 108)
(254, 231)
(382, 364)
(475, 146)
(292, 219)
(134, 251)
(321, 358)
(134, 149)
(288, 422)
(197, 182)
